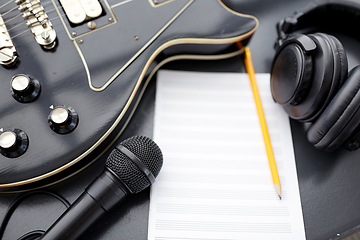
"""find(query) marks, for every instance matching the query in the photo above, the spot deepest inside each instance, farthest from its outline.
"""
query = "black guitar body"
(96, 73)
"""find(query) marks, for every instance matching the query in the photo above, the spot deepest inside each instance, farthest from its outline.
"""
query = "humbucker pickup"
(79, 11)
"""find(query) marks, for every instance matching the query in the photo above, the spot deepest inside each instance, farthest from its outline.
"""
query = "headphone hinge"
(284, 27)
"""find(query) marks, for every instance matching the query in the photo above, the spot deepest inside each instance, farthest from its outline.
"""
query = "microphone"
(130, 168)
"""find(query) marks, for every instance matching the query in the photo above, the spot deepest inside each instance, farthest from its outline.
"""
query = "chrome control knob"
(63, 119)
(25, 88)
(13, 143)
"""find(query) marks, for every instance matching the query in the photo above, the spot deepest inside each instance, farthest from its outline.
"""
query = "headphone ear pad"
(341, 118)
(304, 94)
(334, 73)
(343, 63)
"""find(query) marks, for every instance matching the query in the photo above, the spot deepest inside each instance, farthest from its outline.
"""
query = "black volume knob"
(63, 119)
(13, 143)
(25, 88)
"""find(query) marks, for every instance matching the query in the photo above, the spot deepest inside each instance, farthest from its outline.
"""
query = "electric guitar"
(73, 72)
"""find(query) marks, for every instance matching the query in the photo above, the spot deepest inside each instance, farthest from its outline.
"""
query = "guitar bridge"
(38, 22)
(8, 52)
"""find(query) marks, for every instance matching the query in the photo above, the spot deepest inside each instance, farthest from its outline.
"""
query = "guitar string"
(44, 3)
(41, 3)
(11, 19)
(3, 14)
(20, 24)
(20, 33)
(15, 8)
(23, 23)
(7, 21)
(6, 4)
(17, 25)
(25, 31)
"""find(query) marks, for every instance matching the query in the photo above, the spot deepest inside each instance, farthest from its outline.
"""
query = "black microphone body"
(130, 168)
(99, 197)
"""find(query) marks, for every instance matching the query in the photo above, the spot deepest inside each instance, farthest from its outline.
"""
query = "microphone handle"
(102, 194)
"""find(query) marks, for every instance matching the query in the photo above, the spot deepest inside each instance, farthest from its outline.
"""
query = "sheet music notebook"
(216, 181)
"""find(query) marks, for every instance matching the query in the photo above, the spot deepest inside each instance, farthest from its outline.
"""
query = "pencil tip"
(278, 190)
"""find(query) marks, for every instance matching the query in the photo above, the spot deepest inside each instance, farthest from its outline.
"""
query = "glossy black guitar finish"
(95, 73)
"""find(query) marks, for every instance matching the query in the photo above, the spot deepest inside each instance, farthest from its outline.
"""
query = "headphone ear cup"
(340, 120)
(291, 72)
(328, 63)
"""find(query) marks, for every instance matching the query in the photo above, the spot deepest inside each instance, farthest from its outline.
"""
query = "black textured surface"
(147, 151)
(328, 182)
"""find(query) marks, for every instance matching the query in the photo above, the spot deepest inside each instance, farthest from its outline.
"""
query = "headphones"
(309, 74)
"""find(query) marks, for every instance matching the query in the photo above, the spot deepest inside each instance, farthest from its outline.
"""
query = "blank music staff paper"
(215, 182)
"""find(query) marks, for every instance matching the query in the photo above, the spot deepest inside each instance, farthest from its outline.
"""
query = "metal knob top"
(63, 119)
(7, 139)
(13, 143)
(25, 88)
(20, 83)
(59, 115)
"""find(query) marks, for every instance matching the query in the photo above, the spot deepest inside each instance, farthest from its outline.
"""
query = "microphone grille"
(147, 151)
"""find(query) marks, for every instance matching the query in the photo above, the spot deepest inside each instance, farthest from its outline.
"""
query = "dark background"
(328, 181)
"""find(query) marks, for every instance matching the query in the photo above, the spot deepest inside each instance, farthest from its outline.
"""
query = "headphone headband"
(334, 15)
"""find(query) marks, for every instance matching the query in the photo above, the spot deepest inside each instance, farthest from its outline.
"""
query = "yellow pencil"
(250, 69)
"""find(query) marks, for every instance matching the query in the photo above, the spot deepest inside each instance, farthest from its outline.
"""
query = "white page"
(216, 182)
